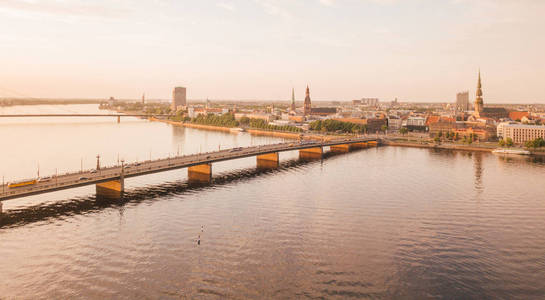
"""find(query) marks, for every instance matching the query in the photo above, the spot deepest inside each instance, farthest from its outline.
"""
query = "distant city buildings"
(178, 98)
(462, 101)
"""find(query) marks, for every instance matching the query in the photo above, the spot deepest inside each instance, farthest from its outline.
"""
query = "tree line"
(337, 126)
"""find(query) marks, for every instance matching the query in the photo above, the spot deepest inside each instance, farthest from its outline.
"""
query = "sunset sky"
(416, 50)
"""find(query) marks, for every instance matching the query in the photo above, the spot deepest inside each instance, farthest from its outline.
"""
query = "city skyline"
(417, 51)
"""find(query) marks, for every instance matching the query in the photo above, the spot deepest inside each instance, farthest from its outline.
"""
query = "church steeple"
(307, 108)
(479, 96)
(292, 108)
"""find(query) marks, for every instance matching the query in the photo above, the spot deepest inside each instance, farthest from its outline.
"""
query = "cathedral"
(487, 112)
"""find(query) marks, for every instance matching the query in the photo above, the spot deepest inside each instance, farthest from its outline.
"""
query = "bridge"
(82, 115)
(109, 181)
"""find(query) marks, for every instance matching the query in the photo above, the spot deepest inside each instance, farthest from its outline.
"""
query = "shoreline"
(261, 132)
(435, 146)
(295, 136)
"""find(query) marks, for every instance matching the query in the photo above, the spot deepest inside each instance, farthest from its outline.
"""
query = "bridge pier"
(200, 173)
(1, 211)
(359, 145)
(342, 148)
(118, 119)
(311, 153)
(268, 161)
(111, 189)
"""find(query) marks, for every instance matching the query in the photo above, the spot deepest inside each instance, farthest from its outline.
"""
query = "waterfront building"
(265, 117)
(500, 129)
(415, 123)
(438, 124)
(462, 101)
(394, 123)
(521, 133)
(307, 106)
(178, 98)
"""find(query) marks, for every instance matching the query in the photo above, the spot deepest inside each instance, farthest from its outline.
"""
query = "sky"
(415, 50)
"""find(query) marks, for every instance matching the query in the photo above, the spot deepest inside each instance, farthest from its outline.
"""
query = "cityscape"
(272, 149)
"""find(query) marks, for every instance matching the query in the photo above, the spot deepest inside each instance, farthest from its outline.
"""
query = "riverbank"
(438, 146)
(261, 132)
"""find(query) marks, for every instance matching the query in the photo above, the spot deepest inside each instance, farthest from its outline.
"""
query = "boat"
(511, 151)
(236, 130)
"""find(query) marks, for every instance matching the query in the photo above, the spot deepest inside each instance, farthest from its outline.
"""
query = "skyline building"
(462, 101)
(307, 107)
(292, 107)
(178, 98)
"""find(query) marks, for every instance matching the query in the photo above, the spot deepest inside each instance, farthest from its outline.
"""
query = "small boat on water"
(236, 130)
(511, 151)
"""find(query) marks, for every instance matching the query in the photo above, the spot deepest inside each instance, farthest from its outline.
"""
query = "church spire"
(479, 96)
(292, 107)
(307, 105)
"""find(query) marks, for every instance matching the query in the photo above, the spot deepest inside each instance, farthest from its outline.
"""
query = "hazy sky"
(417, 50)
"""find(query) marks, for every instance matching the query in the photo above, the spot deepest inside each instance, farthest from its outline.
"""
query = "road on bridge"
(70, 180)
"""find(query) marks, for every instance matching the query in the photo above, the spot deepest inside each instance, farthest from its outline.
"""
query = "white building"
(500, 129)
(520, 133)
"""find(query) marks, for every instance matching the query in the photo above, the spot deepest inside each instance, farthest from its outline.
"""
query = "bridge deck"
(89, 177)
(80, 115)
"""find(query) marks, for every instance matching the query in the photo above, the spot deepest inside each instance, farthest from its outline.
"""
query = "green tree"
(501, 143)
(509, 142)
(403, 130)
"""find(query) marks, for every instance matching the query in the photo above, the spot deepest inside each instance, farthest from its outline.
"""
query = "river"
(387, 222)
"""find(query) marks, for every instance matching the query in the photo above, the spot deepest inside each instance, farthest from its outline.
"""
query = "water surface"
(384, 223)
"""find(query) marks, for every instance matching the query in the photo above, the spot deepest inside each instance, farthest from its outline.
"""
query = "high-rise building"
(292, 107)
(307, 107)
(178, 98)
(462, 101)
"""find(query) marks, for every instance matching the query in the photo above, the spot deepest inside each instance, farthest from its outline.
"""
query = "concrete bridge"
(82, 115)
(110, 181)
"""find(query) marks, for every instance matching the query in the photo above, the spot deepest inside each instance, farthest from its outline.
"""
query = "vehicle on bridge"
(21, 183)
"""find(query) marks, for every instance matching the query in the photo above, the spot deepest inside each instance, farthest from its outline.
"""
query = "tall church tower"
(479, 98)
(307, 106)
(292, 107)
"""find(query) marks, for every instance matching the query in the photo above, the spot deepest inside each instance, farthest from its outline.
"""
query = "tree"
(403, 130)
(384, 128)
(501, 143)
(509, 142)
(440, 134)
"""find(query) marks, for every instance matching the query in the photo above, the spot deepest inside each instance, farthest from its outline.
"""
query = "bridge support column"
(111, 189)
(311, 153)
(342, 148)
(268, 161)
(118, 119)
(360, 145)
(200, 173)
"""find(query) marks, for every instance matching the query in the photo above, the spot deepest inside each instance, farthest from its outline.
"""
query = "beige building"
(520, 133)
(178, 98)
(462, 101)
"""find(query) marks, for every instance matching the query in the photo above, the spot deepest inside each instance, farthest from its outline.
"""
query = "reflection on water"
(389, 222)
